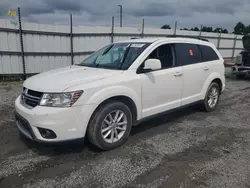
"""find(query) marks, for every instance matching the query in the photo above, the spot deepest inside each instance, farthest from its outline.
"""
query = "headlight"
(60, 99)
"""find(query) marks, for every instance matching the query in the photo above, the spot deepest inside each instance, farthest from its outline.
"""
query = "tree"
(247, 30)
(196, 29)
(218, 30)
(207, 29)
(166, 27)
(239, 28)
(224, 31)
(192, 29)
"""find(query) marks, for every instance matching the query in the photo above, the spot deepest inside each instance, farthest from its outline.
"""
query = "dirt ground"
(185, 149)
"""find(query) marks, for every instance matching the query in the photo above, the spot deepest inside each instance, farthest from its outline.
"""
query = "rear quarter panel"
(217, 70)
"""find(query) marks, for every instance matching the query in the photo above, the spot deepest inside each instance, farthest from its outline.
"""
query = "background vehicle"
(242, 63)
(117, 87)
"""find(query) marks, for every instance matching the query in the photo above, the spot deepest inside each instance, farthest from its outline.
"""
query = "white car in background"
(118, 86)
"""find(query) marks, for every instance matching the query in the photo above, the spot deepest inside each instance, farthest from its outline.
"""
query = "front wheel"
(212, 97)
(110, 125)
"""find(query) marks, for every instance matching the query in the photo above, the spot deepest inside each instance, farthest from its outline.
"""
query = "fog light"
(46, 133)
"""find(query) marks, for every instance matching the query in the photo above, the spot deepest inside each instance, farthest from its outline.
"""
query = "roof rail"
(185, 36)
(181, 36)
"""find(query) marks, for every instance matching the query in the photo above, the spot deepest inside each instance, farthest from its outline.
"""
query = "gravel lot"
(188, 148)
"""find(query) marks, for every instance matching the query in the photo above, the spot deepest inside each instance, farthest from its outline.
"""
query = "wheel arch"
(219, 82)
(125, 100)
(92, 129)
(212, 78)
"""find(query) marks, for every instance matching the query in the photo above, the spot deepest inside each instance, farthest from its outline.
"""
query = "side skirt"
(166, 112)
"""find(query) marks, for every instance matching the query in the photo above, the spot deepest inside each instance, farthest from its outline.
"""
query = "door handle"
(206, 68)
(178, 73)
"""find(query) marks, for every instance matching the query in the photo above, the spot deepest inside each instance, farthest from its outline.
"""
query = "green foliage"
(166, 27)
(239, 29)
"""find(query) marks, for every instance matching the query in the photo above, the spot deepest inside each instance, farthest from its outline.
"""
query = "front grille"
(35, 93)
(30, 98)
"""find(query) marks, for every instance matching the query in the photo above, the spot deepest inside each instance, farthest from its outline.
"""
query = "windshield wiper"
(94, 63)
(106, 51)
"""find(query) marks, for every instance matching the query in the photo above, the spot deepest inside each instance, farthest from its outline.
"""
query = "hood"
(60, 79)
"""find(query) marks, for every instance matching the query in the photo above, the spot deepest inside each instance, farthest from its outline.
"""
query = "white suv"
(118, 86)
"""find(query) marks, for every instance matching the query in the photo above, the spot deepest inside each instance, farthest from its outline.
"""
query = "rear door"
(211, 60)
(195, 71)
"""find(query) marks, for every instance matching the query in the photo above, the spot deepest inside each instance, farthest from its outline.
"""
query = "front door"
(162, 89)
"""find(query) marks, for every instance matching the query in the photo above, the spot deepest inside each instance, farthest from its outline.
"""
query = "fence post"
(218, 44)
(235, 39)
(21, 43)
(175, 28)
(71, 41)
(200, 31)
(142, 30)
(112, 29)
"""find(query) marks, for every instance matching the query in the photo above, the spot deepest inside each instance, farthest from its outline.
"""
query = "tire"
(206, 105)
(97, 125)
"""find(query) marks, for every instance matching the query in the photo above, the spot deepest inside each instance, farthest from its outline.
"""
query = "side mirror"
(151, 65)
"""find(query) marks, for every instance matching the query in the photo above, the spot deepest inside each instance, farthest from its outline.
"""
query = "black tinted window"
(208, 53)
(165, 54)
(187, 54)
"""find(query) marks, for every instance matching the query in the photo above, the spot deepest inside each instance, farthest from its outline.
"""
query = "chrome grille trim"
(30, 101)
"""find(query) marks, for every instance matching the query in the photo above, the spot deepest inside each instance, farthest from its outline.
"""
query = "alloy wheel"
(114, 126)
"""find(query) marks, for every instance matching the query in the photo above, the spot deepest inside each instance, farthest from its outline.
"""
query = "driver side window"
(165, 54)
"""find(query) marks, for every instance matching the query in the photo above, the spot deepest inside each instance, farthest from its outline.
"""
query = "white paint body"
(152, 92)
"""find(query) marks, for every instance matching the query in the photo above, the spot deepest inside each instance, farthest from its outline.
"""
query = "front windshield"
(115, 56)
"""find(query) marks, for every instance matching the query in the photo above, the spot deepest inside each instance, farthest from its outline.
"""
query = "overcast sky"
(188, 13)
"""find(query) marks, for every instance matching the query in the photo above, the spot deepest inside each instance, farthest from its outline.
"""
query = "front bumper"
(67, 123)
(240, 70)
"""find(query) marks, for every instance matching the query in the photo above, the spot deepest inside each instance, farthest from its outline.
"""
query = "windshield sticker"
(137, 45)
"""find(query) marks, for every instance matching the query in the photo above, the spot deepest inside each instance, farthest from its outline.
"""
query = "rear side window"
(187, 54)
(208, 53)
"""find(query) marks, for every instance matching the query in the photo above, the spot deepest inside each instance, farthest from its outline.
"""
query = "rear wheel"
(212, 97)
(110, 125)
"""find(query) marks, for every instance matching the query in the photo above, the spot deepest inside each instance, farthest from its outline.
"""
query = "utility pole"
(175, 27)
(120, 15)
